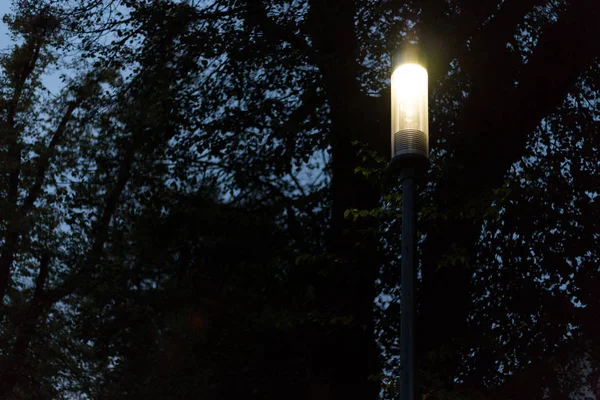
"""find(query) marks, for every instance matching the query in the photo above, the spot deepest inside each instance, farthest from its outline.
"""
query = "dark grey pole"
(408, 275)
(410, 152)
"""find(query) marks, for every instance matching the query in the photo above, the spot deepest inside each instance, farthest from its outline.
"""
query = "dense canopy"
(195, 200)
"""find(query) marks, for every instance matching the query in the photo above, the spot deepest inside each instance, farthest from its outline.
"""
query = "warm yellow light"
(410, 125)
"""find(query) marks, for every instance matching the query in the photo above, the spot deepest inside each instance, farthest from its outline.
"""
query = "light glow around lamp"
(410, 123)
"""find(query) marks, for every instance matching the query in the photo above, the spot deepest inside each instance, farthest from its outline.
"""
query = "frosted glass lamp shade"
(410, 123)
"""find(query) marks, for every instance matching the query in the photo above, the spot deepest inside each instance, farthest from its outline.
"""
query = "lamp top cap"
(408, 53)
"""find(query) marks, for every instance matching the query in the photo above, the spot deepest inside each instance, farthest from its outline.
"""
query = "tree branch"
(44, 160)
(32, 50)
(256, 15)
(563, 51)
(492, 135)
(12, 364)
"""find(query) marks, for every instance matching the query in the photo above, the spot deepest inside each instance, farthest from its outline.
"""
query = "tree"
(252, 92)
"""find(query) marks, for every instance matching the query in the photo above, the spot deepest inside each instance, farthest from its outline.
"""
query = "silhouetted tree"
(204, 209)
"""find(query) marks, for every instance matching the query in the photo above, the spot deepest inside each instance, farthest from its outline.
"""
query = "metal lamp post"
(410, 151)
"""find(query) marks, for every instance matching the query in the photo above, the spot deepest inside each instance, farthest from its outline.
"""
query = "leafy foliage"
(204, 207)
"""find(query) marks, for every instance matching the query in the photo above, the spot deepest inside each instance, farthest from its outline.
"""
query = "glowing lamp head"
(410, 124)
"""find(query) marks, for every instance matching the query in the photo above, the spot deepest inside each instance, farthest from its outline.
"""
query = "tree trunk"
(345, 355)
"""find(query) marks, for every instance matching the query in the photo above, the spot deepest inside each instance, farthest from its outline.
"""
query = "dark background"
(204, 209)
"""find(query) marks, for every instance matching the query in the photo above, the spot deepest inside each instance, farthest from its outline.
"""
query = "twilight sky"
(4, 39)
(52, 80)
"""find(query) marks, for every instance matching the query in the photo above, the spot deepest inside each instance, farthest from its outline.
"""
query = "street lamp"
(410, 124)
(410, 151)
